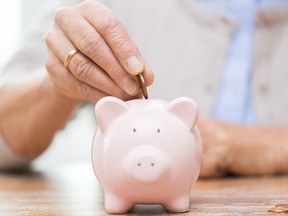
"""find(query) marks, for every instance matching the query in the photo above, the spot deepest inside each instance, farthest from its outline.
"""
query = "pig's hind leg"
(178, 205)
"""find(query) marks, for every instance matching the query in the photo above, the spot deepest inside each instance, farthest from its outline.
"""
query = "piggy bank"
(146, 152)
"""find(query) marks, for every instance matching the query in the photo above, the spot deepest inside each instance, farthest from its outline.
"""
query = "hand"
(216, 148)
(242, 150)
(107, 61)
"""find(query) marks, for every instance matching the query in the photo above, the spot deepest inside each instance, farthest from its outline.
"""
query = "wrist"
(34, 111)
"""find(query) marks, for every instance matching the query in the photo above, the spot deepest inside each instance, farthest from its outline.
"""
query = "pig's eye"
(158, 130)
(134, 130)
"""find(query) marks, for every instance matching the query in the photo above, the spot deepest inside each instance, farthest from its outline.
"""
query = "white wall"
(11, 28)
(15, 18)
(30, 10)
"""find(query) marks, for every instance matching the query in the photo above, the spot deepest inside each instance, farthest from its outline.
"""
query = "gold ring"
(69, 57)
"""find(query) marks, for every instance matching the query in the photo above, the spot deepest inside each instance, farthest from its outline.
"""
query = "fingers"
(107, 59)
(89, 42)
(73, 87)
(101, 36)
(116, 36)
(82, 67)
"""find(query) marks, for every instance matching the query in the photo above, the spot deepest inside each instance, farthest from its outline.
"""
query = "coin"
(280, 208)
(142, 85)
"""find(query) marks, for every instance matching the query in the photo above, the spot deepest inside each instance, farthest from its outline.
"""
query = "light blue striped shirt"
(234, 99)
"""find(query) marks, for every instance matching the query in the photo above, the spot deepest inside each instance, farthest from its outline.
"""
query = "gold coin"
(142, 85)
(278, 209)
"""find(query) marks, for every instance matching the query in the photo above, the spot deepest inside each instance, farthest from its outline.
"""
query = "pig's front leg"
(115, 204)
(180, 204)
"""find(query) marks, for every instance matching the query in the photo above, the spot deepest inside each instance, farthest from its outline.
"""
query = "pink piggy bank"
(146, 152)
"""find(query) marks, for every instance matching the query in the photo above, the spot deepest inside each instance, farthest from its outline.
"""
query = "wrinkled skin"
(108, 59)
(242, 150)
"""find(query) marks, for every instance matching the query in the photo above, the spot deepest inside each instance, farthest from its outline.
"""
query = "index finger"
(85, 38)
(115, 34)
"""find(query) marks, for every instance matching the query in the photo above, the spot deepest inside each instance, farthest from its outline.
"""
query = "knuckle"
(90, 44)
(62, 14)
(50, 66)
(49, 37)
(59, 13)
(83, 69)
(109, 26)
(113, 29)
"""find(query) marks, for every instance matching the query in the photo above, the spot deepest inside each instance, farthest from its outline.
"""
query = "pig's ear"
(186, 109)
(107, 109)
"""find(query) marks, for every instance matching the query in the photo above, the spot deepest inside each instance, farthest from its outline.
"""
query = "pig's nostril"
(139, 164)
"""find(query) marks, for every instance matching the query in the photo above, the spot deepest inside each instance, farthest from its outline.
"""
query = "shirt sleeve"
(10, 160)
(30, 56)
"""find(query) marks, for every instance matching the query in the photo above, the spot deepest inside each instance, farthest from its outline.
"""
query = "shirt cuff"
(10, 160)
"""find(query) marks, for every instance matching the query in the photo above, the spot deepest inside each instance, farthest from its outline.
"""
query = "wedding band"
(68, 58)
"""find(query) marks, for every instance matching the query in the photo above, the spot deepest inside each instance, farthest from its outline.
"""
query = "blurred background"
(15, 18)
(72, 144)
(10, 37)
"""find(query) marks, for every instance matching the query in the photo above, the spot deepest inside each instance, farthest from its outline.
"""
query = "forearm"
(30, 114)
(258, 150)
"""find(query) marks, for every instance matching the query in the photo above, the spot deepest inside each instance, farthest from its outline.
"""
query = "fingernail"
(135, 65)
(130, 86)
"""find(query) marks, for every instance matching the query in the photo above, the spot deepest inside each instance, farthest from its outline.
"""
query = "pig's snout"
(146, 164)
